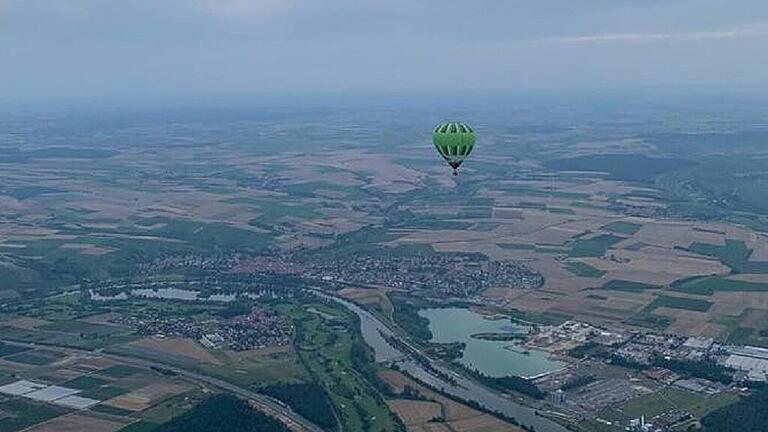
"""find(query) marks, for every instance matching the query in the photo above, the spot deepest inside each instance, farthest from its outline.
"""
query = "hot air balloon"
(454, 142)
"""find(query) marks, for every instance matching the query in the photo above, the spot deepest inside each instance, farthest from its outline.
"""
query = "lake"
(492, 358)
(376, 334)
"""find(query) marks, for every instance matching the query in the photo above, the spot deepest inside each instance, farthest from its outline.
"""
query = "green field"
(274, 212)
(85, 382)
(740, 336)
(485, 226)
(649, 320)
(172, 407)
(621, 227)
(120, 371)
(540, 318)
(531, 247)
(587, 205)
(206, 235)
(436, 224)
(560, 210)
(551, 250)
(475, 213)
(36, 358)
(538, 193)
(593, 247)
(629, 286)
(708, 285)
(583, 269)
(84, 329)
(6, 349)
(697, 404)
(22, 413)
(649, 406)
(104, 392)
(662, 401)
(691, 304)
(735, 254)
(327, 350)
(516, 246)
(242, 370)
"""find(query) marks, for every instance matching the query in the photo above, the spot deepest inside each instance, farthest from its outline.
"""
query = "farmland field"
(630, 286)
(679, 303)
(171, 236)
(593, 247)
(710, 285)
(621, 227)
(584, 270)
(25, 413)
(36, 358)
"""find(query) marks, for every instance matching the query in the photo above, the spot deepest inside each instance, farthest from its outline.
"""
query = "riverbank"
(375, 333)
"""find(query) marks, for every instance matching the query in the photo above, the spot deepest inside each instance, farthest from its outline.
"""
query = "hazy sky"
(122, 47)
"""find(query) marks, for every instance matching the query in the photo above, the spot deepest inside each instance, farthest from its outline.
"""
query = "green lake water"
(492, 358)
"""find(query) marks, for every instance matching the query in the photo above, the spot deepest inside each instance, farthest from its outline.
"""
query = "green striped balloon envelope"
(454, 142)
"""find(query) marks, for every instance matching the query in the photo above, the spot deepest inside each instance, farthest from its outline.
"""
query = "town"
(254, 330)
(447, 275)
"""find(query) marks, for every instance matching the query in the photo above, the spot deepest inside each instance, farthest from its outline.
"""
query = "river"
(466, 389)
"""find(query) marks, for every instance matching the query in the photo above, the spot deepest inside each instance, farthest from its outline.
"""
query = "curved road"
(263, 403)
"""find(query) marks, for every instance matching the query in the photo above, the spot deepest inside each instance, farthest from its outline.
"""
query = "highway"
(261, 402)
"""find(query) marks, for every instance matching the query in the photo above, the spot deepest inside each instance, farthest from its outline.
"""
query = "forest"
(223, 413)
(747, 415)
(309, 400)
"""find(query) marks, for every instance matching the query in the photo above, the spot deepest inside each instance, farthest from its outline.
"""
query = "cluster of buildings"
(698, 365)
(750, 362)
(225, 263)
(454, 275)
(571, 334)
(644, 347)
(258, 329)
(702, 386)
(601, 394)
(745, 363)
(659, 423)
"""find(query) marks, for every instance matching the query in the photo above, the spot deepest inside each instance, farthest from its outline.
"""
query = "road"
(261, 402)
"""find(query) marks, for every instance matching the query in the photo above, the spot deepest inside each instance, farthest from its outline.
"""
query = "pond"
(490, 357)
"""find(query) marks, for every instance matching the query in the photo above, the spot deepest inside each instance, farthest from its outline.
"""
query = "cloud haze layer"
(145, 47)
